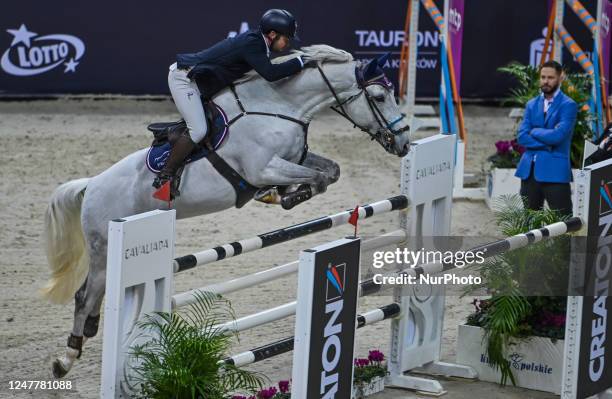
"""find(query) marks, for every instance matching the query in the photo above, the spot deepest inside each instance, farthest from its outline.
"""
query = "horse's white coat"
(264, 150)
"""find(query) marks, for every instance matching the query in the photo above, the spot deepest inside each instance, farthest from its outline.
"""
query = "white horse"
(264, 150)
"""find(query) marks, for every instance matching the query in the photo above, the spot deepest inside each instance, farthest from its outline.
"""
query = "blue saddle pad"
(218, 129)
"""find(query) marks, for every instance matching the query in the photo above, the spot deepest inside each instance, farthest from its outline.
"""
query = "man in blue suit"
(546, 133)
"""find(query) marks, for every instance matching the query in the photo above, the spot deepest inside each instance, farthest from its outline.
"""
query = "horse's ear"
(370, 69)
(382, 60)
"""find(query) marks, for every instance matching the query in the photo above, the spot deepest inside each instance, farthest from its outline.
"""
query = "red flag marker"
(354, 218)
(163, 193)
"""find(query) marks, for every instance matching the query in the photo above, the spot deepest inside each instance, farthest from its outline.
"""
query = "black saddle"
(163, 130)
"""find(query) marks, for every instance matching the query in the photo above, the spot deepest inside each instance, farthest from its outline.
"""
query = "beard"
(546, 89)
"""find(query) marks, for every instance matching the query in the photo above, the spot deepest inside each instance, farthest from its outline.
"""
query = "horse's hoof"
(297, 197)
(58, 369)
(268, 195)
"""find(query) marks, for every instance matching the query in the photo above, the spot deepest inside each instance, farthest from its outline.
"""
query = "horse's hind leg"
(88, 300)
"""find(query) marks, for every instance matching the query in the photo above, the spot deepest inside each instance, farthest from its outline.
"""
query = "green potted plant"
(182, 354)
(515, 335)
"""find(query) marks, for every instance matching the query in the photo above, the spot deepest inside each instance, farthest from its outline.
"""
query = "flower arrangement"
(282, 392)
(368, 371)
(183, 356)
(526, 286)
(368, 375)
(508, 154)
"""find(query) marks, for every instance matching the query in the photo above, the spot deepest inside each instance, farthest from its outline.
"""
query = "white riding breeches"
(186, 96)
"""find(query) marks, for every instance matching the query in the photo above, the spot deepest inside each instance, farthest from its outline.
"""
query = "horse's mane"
(317, 52)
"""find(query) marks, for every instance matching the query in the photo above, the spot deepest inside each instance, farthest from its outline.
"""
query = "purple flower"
(503, 147)
(361, 362)
(283, 386)
(376, 356)
(517, 147)
(552, 319)
(239, 397)
(267, 393)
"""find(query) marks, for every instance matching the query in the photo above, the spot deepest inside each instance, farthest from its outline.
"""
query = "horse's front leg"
(296, 193)
(330, 168)
(279, 172)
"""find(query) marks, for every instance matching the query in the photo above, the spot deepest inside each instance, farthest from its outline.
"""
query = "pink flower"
(267, 393)
(552, 319)
(376, 356)
(517, 147)
(283, 386)
(503, 147)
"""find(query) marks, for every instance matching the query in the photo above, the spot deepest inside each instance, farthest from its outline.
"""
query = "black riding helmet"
(280, 21)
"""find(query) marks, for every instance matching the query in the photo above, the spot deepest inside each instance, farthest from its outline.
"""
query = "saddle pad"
(218, 128)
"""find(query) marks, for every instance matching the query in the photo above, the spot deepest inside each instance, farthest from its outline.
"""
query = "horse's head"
(374, 110)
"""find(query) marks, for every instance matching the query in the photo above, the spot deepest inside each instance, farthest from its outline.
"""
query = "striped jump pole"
(368, 287)
(285, 234)
(583, 14)
(575, 50)
(286, 345)
(488, 250)
(226, 287)
(448, 71)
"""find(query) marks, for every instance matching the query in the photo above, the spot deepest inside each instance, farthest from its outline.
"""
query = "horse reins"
(387, 137)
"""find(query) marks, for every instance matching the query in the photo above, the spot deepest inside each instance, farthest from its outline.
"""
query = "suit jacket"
(218, 66)
(547, 139)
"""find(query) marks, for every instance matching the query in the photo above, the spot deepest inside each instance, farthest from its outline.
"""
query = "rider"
(209, 71)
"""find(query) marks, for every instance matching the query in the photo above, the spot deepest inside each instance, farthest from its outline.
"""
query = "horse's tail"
(65, 242)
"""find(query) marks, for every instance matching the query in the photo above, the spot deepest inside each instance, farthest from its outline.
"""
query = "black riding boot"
(180, 150)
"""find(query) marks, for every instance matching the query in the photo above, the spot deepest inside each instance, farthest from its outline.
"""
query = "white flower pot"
(537, 363)
(376, 385)
(502, 182)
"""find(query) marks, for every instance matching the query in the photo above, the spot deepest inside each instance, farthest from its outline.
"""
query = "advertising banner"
(595, 362)
(328, 282)
(456, 20)
(123, 47)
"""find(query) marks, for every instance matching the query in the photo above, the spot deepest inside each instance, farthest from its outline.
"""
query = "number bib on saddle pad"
(218, 130)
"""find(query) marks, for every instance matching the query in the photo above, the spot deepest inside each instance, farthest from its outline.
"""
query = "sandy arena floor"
(50, 142)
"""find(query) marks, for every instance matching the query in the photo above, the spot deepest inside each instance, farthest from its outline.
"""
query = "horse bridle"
(385, 135)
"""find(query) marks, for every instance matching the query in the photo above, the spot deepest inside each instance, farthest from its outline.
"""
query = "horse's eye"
(380, 99)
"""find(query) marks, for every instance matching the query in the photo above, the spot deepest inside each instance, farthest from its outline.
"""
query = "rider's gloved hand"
(308, 62)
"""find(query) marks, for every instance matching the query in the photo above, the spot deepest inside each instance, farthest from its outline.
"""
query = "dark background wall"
(129, 44)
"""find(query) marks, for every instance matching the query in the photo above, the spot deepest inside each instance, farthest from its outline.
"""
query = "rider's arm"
(255, 55)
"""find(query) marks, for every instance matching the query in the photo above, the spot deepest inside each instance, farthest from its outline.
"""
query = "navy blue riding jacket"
(216, 67)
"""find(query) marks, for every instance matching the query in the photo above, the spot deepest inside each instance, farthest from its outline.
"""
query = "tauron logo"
(335, 282)
(30, 54)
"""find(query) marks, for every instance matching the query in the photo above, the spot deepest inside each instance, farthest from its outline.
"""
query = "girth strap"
(244, 190)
